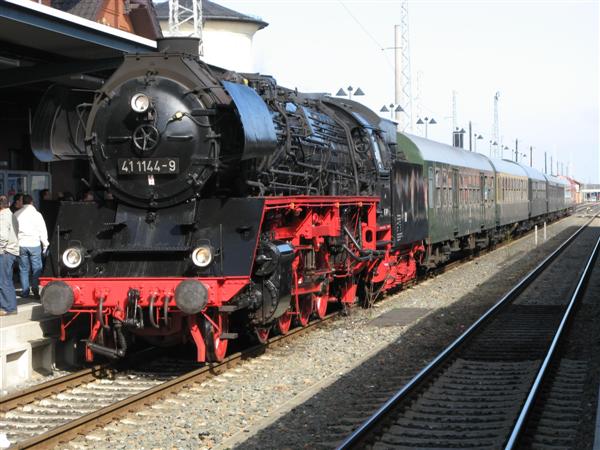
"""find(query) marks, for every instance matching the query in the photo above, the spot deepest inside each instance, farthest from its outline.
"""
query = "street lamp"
(393, 108)
(350, 89)
(477, 137)
(427, 121)
(492, 144)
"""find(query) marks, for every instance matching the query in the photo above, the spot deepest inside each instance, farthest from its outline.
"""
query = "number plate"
(148, 166)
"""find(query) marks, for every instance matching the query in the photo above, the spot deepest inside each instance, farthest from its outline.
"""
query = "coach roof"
(446, 154)
(508, 167)
(532, 173)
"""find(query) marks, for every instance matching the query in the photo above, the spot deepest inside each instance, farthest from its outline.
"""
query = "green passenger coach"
(472, 201)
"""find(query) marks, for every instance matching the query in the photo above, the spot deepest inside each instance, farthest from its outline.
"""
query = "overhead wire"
(366, 31)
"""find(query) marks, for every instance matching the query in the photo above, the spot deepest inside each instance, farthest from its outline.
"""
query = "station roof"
(210, 11)
(39, 43)
(33, 29)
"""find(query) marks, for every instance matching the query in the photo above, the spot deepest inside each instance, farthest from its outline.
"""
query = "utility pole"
(496, 127)
(188, 13)
(470, 137)
(531, 156)
(454, 109)
(545, 163)
(551, 166)
(516, 150)
(402, 85)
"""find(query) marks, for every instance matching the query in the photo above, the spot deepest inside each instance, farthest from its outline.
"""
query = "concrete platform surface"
(26, 343)
(27, 309)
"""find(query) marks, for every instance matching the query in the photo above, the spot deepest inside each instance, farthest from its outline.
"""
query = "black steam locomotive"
(240, 206)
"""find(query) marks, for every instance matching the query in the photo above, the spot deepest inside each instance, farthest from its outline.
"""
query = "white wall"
(227, 44)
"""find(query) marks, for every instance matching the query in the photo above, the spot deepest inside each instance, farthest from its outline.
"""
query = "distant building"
(591, 192)
(134, 16)
(227, 34)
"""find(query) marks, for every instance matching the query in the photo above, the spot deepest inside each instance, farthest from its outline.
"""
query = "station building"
(591, 192)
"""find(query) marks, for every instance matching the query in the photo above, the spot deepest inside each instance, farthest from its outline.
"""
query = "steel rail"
(424, 374)
(63, 383)
(102, 416)
(543, 370)
(48, 388)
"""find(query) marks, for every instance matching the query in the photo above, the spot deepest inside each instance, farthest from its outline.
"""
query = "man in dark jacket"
(9, 252)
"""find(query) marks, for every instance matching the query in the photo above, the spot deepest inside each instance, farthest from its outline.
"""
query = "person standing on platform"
(17, 203)
(33, 241)
(9, 252)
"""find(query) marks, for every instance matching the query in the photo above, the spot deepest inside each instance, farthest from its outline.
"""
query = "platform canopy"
(39, 43)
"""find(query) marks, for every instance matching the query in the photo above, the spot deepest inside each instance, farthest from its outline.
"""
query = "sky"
(542, 56)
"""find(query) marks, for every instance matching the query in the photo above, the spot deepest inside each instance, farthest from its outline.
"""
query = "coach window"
(431, 190)
(486, 188)
(513, 184)
(512, 190)
(450, 188)
(438, 188)
(444, 188)
(522, 190)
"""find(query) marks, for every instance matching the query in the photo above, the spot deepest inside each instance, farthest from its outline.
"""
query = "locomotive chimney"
(187, 45)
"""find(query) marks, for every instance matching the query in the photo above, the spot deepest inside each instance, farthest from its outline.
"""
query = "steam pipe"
(151, 312)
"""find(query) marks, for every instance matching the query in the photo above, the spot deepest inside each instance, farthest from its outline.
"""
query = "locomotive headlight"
(140, 103)
(72, 257)
(202, 256)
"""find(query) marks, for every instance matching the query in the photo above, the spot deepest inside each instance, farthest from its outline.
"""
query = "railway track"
(479, 392)
(56, 411)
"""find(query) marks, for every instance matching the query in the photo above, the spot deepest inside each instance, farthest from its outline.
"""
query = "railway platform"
(28, 342)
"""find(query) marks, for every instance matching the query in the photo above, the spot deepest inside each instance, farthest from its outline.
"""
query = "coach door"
(482, 197)
(455, 205)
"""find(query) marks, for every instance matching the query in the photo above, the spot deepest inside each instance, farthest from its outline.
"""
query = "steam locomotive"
(243, 207)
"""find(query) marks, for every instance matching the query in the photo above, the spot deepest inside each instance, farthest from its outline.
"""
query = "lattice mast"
(185, 19)
(403, 92)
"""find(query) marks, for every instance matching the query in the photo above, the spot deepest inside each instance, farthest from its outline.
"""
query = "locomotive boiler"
(241, 207)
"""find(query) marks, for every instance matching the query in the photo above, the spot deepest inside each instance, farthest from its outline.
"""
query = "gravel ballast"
(295, 396)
